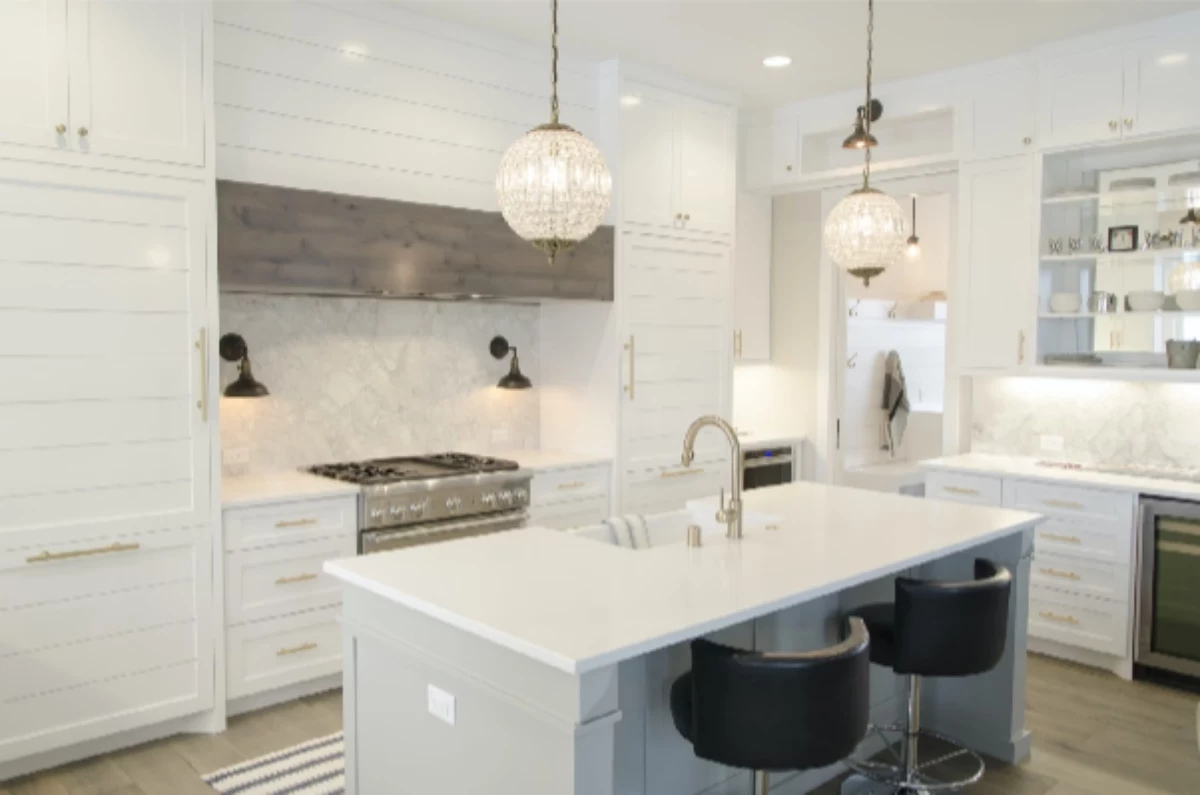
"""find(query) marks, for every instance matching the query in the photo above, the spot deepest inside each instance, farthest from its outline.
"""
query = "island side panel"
(518, 725)
(987, 712)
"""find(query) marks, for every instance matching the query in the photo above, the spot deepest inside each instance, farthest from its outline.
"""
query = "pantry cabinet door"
(104, 388)
(33, 72)
(647, 175)
(1081, 98)
(997, 255)
(706, 169)
(1158, 77)
(136, 82)
(752, 279)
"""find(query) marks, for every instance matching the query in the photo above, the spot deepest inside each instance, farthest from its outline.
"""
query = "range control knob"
(489, 499)
(417, 508)
(376, 513)
(522, 496)
(506, 497)
(396, 510)
(453, 503)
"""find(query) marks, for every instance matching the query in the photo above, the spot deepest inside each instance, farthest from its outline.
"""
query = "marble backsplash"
(1113, 423)
(357, 378)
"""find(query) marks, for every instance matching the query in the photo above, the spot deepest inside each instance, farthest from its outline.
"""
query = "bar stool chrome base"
(872, 776)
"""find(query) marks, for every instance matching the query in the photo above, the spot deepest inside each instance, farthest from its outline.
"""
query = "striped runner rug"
(317, 767)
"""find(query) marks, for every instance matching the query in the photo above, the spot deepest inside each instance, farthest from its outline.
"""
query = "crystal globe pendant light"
(554, 186)
(865, 233)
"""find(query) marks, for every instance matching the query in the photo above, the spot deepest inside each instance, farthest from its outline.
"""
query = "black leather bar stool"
(775, 711)
(936, 629)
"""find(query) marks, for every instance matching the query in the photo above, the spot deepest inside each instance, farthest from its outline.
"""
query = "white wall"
(367, 100)
(780, 397)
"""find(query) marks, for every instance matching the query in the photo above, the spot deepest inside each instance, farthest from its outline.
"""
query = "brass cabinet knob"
(1112, 125)
(83, 131)
(1129, 122)
(1028, 140)
(60, 128)
(678, 216)
(687, 217)
(789, 168)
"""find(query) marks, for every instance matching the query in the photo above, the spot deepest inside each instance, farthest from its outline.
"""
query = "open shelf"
(1163, 313)
(1161, 197)
(1118, 257)
(1102, 373)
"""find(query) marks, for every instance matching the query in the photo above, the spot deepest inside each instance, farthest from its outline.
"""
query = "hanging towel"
(895, 402)
(630, 531)
(621, 531)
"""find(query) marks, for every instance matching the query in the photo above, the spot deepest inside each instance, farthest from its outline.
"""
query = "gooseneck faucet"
(731, 513)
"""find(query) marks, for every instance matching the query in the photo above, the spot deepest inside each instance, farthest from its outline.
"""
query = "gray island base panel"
(533, 718)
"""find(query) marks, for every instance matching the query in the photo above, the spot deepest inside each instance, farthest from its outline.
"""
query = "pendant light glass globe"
(1184, 278)
(865, 233)
(553, 187)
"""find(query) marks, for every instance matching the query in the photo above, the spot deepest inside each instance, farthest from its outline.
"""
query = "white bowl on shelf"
(1145, 300)
(1188, 300)
(1065, 303)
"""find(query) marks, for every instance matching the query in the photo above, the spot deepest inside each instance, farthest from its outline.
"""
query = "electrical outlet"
(1051, 444)
(234, 456)
(441, 705)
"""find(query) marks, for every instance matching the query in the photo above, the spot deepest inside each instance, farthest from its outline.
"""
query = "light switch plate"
(441, 705)
(1051, 444)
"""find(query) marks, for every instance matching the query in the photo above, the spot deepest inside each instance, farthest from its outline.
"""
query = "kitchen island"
(537, 662)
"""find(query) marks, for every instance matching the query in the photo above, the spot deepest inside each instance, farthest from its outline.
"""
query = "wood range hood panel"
(300, 242)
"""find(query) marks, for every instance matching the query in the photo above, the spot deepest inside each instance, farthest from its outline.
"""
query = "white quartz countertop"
(280, 487)
(550, 459)
(578, 605)
(1028, 468)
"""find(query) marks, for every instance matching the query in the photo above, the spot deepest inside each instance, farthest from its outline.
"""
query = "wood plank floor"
(1093, 735)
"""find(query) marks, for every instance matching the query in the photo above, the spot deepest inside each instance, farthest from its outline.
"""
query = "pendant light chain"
(867, 107)
(554, 62)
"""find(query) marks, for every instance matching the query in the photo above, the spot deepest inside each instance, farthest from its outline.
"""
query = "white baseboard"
(270, 698)
(1121, 666)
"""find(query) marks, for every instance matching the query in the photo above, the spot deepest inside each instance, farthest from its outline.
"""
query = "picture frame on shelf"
(1122, 238)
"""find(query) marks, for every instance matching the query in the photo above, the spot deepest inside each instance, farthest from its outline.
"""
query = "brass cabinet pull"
(1066, 539)
(960, 490)
(1049, 616)
(202, 348)
(1065, 575)
(303, 647)
(629, 347)
(575, 484)
(298, 578)
(46, 555)
(295, 522)
(1077, 506)
(1020, 347)
(680, 473)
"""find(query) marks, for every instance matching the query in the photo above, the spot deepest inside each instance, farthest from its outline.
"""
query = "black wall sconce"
(514, 379)
(233, 349)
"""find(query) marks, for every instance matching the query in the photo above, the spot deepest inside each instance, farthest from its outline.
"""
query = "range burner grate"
(393, 470)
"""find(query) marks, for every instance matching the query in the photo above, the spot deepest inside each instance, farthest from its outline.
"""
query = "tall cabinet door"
(647, 162)
(33, 72)
(103, 386)
(136, 82)
(996, 217)
(705, 142)
(676, 368)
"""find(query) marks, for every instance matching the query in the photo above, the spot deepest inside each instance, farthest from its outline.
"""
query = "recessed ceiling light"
(631, 100)
(776, 61)
(355, 52)
(1173, 59)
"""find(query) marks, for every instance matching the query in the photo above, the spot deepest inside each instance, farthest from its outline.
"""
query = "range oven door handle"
(381, 540)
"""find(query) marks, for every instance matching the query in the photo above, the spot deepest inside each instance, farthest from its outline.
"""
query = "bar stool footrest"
(894, 775)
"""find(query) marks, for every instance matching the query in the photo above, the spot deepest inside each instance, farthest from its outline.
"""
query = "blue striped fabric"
(317, 767)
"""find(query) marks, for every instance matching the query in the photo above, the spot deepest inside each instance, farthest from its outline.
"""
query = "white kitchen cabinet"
(33, 72)
(103, 632)
(1081, 96)
(677, 162)
(1159, 75)
(997, 255)
(676, 364)
(570, 496)
(752, 279)
(104, 352)
(785, 151)
(998, 115)
(105, 77)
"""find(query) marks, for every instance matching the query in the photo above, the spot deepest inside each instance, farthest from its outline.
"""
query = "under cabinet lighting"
(355, 52)
(777, 61)
(1173, 59)
(631, 100)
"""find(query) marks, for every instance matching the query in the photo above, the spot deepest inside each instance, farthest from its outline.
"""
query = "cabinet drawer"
(1095, 624)
(958, 487)
(247, 528)
(1053, 499)
(564, 485)
(268, 654)
(1081, 576)
(275, 581)
(565, 515)
(1092, 539)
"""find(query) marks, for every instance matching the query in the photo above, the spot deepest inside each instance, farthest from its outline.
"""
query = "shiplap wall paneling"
(370, 101)
(280, 240)
(102, 296)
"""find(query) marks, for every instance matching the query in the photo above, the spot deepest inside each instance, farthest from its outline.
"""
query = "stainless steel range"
(426, 499)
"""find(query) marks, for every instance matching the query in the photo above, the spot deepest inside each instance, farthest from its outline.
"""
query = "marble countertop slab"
(1028, 468)
(244, 490)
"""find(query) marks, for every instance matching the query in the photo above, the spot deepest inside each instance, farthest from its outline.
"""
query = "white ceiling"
(723, 42)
